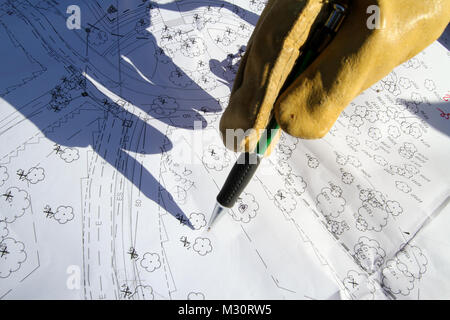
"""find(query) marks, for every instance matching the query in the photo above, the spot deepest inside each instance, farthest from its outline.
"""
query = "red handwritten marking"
(444, 115)
(446, 97)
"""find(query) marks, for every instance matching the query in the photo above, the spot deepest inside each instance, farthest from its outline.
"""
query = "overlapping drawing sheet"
(111, 160)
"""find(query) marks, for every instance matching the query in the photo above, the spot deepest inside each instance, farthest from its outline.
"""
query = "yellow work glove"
(357, 58)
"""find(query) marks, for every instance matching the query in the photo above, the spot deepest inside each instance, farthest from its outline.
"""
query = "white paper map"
(111, 160)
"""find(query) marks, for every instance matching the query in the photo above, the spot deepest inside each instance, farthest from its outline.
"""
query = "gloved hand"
(357, 58)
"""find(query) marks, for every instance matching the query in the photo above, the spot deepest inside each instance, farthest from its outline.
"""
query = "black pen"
(247, 163)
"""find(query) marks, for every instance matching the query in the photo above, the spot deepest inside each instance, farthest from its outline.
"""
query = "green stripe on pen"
(273, 126)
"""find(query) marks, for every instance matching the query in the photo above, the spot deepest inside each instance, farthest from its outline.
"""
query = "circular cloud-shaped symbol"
(12, 256)
(13, 204)
(64, 214)
(216, 157)
(197, 220)
(150, 261)
(202, 246)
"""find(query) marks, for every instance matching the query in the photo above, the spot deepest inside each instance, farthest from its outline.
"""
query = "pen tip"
(218, 209)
